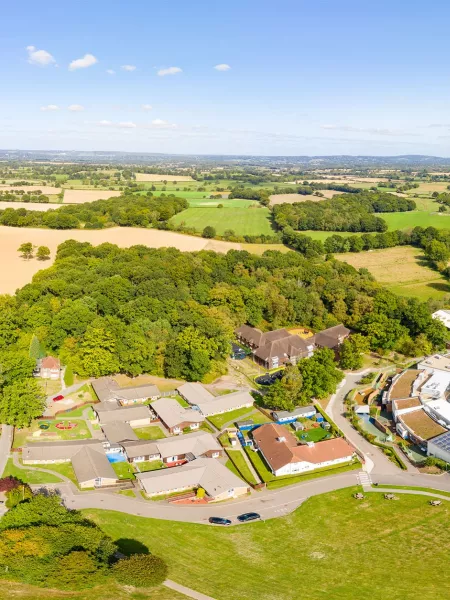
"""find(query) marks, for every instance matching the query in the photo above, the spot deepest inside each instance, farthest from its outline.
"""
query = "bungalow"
(174, 450)
(194, 393)
(285, 456)
(284, 416)
(50, 368)
(222, 404)
(89, 462)
(107, 390)
(110, 412)
(118, 431)
(218, 482)
(175, 417)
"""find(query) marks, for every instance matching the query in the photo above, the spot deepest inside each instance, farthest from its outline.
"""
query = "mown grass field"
(243, 221)
(416, 218)
(331, 547)
(403, 269)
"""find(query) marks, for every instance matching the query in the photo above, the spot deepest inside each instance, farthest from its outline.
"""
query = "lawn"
(234, 415)
(78, 412)
(29, 475)
(402, 269)
(243, 221)
(123, 470)
(416, 218)
(319, 550)
(238, 460)
(150, 465)
(313, 435)
(22, 436)
(152, 432)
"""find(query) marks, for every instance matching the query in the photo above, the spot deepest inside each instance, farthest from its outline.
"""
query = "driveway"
(5, 446)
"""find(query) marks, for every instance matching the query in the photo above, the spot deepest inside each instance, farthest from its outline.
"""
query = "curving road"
(268, 503)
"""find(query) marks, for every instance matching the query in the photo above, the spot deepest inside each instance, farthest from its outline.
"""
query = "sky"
(292, 77)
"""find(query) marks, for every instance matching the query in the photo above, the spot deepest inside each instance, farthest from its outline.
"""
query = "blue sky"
(296, 77)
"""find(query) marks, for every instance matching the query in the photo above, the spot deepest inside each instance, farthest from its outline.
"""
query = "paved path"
(64, 392)
(5, 445)
(186, 591)
(414, 492)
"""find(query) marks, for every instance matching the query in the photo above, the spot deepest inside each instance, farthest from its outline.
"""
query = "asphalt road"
(5, 446)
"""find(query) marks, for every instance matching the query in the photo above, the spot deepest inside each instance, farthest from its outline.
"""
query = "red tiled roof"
(49, 362)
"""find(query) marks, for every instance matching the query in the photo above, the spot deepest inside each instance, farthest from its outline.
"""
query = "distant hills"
(414, 161)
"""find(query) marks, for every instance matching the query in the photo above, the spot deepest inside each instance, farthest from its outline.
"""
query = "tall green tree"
(21, 402)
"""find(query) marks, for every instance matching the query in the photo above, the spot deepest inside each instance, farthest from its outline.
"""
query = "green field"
(416, 218)
(331, 547)
(28, 474)
(243, 221)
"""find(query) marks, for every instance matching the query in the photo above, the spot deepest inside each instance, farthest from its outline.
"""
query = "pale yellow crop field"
(29, 205)
(16, 271)
(82, 196)
(292, 198)
(157, 177)
(45, 189)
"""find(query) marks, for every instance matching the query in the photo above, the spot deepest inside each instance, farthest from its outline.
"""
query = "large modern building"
(285, 456)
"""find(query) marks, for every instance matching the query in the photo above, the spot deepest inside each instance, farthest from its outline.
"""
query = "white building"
(439, 447)
(443, 316)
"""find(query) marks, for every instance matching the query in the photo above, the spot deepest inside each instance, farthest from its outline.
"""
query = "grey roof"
(225, 403)
(118, 431)
(172, 413)
(90, 463)
(194, 393)
(208, 473)
(197, 443)
(125, 414)
(108, 389)
(140, 448)
(297, 412)
(56, 450)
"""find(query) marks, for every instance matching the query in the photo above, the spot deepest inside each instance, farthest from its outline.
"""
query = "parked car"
(58, 397)
(219, 521)
(251, 516)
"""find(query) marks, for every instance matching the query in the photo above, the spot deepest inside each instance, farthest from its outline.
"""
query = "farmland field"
(416, 218)
(17, 271)
(323, 545)
(243, 221)
(158, 177)
(81, 196)
(29, 205)
(402, 269)
(45, 189)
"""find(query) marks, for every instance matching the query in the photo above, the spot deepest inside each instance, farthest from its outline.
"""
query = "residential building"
(175, 417)
(108, 390)
(285, 416)
(228, 402)
(50, 368)
(118, 431)
(88, 458)
(110, 412)
(218, 482)
(285, 456)
(194, 393)
(176, 450)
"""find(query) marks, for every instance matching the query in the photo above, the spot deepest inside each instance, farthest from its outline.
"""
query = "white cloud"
(159, 122)
(222, 67)
(50, 107)
(146, 107)
(169, 71)
(128, 68)
(82, 63)
(127, 125)
(76, 107)
(110, 71)
(104, 122)
(41, 58)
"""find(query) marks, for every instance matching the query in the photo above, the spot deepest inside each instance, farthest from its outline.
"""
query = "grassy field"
(241, 466)
(250, 221)
(416, 218)
(331, 547)
(29, 475)
(234, 415)
(81, 431)
(152, 432)
(402, 269)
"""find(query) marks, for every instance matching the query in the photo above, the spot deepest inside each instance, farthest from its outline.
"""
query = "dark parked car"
(59, 397)
(251, 516)
(219, 521)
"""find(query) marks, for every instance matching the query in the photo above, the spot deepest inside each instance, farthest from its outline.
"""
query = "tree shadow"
(128, 547)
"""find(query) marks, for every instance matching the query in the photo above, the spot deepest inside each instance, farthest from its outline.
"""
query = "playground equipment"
(66, 425)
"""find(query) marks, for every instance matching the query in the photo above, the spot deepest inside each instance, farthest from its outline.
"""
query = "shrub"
(140, 570)
(209, 232)
(68, 376)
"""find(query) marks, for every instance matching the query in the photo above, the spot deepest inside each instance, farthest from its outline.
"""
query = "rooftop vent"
(281, 439)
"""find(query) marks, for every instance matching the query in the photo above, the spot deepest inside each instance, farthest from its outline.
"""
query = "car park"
(219, 521)
(251, 516)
